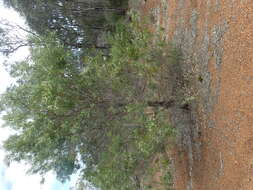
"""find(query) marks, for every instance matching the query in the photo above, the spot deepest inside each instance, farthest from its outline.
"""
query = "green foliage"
(118, 3)
(77, 24)
(101, 116)
(167, 180)
(35, 107)
(132, 71)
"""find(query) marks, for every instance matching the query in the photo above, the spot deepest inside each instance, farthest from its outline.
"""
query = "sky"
(14, 177)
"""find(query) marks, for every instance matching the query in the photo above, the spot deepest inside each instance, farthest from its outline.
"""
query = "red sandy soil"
(226, 151)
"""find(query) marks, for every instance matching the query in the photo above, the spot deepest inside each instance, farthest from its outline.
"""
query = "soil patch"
(216, 39)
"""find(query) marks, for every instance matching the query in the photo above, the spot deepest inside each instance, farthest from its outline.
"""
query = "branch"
(164, 104)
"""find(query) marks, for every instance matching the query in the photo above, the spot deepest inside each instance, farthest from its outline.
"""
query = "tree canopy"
(105, 118)
(77, 24)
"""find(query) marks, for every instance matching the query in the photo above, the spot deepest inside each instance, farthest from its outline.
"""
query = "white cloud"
(16, 173)
(11, 15)
(15, 178)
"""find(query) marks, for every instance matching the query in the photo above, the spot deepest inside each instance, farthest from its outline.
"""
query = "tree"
(92, 119)
(58, 111)
(76, 23)
(36, 102)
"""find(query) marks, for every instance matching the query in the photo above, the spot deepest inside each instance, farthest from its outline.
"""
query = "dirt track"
(216, 37)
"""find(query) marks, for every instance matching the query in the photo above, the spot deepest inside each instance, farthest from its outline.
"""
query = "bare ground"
(215, 146)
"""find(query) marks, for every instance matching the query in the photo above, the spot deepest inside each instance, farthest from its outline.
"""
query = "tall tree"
(76, 23)
(95, 118)
(58, 111)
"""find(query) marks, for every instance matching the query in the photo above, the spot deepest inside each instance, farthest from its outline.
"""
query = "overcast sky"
(14, 177)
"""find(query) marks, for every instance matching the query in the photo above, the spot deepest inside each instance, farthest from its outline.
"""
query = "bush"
(133, 70)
